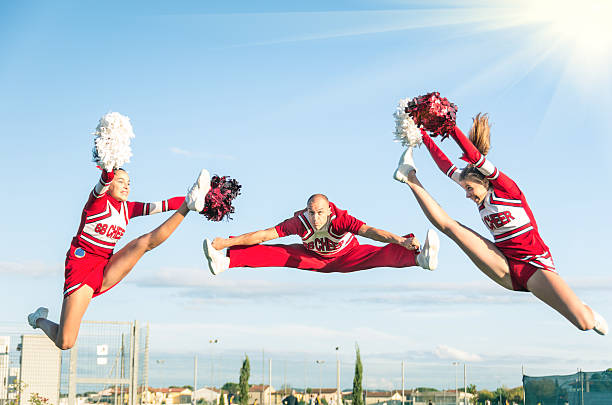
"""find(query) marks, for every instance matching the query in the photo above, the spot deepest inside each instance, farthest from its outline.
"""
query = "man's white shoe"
(601, 326)
(197, 194)
(428, 258)
(217, 261)
(405, 166)
(41, 312)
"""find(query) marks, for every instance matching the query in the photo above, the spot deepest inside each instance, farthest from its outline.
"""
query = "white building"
(5, 344)
(210, 395)
(40, 367)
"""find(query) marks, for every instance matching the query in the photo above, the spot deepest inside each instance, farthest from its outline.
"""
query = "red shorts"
(357, 257)
(521, 272)
(83, 268)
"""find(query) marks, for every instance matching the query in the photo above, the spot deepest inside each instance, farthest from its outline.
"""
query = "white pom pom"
(406, 131)
(112, 141)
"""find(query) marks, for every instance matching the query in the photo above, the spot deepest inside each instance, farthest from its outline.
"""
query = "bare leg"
(554, 291)
(74, 306)
(125, 259)
(549, 287)
(483, 253)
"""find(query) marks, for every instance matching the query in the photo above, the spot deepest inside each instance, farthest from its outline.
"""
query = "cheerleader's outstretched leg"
(549, 287)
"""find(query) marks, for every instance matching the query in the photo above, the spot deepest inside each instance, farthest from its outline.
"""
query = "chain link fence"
(109, 364)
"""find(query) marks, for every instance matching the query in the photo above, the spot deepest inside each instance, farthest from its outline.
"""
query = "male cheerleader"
(328, 244)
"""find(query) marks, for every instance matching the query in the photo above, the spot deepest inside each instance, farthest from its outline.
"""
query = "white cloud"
(187, 153)
(447, 352)
(179, 151)
(31, 268)
(307, 337)
(206, 290)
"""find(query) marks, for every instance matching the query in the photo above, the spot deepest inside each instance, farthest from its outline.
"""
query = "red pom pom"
(434, 113)
(218, 202)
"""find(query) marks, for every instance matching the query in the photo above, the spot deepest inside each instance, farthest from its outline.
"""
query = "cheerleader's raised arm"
(444, 163)
(472, 155)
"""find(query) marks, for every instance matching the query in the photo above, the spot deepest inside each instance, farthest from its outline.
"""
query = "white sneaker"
(217, 261)
(197, 194)
(428, 258)
(601, 326)
(41, 312)
(405, 166)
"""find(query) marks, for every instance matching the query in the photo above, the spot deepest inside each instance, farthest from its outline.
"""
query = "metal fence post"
(135, 336)
(72, 376)
(146, 365)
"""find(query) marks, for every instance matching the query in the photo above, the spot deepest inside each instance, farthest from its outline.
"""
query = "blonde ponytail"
(480, 133)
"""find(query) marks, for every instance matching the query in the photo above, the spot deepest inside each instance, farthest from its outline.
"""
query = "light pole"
(338, 394)
(456, 390)
(320, 363)
(211, 342)
(465, 401)
(403, 395)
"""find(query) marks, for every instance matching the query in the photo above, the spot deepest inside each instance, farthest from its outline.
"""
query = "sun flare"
(581, 26)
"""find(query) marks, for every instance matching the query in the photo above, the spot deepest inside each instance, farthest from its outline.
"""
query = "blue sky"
(293, 99)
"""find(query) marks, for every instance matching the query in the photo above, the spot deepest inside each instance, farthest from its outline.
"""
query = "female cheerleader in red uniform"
(91, 266)
(518, 259)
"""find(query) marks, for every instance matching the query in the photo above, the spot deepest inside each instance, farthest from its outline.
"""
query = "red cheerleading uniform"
(330, 249)
(103, 223)
(504, 211)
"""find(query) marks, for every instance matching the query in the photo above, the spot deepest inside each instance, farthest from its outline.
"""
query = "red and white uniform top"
(104, 218)
(504, 209)
(333, 239)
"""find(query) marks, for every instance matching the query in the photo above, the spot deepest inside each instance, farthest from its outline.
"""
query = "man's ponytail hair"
(480, 133)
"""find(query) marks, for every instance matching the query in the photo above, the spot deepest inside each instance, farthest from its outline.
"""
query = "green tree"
(501, 392)
(357, 388)
(37, 399)
(516, 394)
(245, 373)
(230, 387)
(484, 396)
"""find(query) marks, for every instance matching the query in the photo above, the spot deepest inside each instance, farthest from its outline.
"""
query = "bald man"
(328, 244)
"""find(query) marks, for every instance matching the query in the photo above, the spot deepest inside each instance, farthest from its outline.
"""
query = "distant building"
(210, 395)
(330, 395)
(260, 394)
(167, 396)
(446, 397)
(5, 344)
(40, 368)
(382, 397)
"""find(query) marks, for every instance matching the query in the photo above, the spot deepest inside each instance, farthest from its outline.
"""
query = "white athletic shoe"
(405, 166)
(197, 193)
(41, 312)
(428, 258)
(217, 261)
(601, 326)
